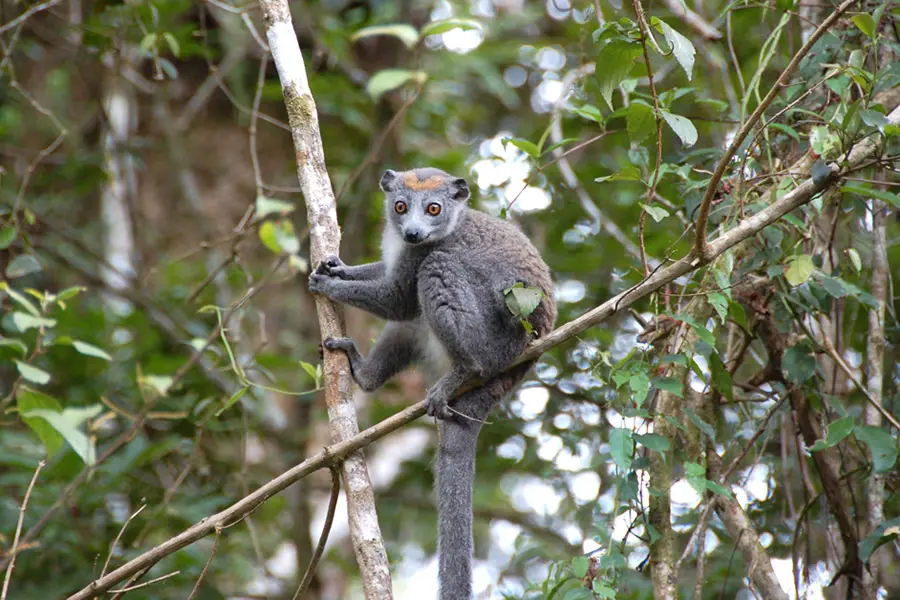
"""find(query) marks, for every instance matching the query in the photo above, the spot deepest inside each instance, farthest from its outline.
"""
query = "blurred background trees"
(159, 349)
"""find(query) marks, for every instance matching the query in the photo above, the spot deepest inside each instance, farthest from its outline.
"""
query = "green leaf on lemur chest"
(522, 300)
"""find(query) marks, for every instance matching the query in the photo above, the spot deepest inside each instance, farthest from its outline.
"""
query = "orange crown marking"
(414, 183)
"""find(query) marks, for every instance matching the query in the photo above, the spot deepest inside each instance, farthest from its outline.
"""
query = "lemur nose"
(412, 236)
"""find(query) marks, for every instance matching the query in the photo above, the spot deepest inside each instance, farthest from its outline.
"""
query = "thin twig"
(146, 583)
(28, 14)
(15, 544)
(112, 547)
(206, 566)
(326, 530)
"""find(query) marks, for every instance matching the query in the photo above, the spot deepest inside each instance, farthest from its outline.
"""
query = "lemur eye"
(434, 209)
(399, 207)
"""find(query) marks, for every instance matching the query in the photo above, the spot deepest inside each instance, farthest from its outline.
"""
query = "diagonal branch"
(700, 244)
(333, 454)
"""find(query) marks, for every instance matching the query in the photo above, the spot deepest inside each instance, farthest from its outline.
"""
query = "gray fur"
(440, 284)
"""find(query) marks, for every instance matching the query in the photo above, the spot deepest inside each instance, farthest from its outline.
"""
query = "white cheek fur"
(391, 246)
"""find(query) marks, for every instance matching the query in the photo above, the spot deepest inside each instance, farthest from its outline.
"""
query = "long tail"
(455, 472)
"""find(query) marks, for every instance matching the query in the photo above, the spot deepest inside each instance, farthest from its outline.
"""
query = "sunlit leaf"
(234, 398)
(800, 267)
(855, 260)
(159, 383)
(657, 213)
(589, 112)
(7, 235)
(444, 25)
(682, 48)
(682, 127)
(25, 322)
(90, 350)
(270, 206)
(15, 344)
(402, 31)
(32, 373)
(865, 23)
(529, 148)
(522, 300)
(580, 566)
(20, 299)
(67, 424)
(391, 79)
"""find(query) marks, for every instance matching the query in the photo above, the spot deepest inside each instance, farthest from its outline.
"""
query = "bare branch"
(12, 551)
(326, 530)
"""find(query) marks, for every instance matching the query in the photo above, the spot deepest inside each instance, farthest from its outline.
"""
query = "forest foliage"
(733, 434)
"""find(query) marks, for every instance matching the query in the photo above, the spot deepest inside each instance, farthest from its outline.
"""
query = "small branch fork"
(329, 456)
(701, 247)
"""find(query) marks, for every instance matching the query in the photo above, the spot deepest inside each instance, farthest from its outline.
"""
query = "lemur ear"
(459, 190)
(387, 180)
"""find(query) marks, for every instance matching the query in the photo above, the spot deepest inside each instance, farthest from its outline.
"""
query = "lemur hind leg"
(394, 350)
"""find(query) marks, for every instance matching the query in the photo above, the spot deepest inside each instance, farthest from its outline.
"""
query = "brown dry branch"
(746, 538)
(325, 236)
(700, 244)
(326, 530)
(334, 453)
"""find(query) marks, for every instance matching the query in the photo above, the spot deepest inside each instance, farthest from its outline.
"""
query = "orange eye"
(434, 209)
(399, 207)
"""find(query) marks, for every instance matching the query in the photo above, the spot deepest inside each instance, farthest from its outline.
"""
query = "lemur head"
(423, 205)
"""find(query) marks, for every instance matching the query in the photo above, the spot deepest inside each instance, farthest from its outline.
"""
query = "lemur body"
(440, 285)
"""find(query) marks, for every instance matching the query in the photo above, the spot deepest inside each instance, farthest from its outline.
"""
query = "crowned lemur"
(440, 284)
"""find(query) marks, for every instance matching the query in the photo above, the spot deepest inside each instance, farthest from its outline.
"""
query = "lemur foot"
(346, 344)
(332, 266)
(437, 404)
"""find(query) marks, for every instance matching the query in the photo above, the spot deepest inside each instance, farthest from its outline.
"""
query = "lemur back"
(440, 284)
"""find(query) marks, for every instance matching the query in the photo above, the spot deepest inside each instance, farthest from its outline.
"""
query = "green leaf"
(865, 23)
(617, 58)
(529, 148)
(721, 378)
(172, 43)
(855, 260)
(444, 25)
(234, 398)
(147, 42)
(682, 48)
(270, 206)
(580, 565)
(28, 400)
(621, 446)
(20, 299)
(158, 383)
(15, 344)
(668, 384)
(278, 236)
(881, 444)
(522, 300)
(798, 364)
(720, 303)
(658, 213)
(653, 441)
(702, 425)
(883, 534)
(391, 79)
(701, 331)
(696, 476)
(627, 173)
(640, 385)
(837, 431)
(640, 121)
(579, 593)
(24, 264)
(718, 489)
(833, 286)
(589, 112)
(402, 31)
(32, 373)
(7, 235)
(603, 591)
(25, 322)
(682, 127)
(315, 372)
(800, 267)
(786, 129)
(90, 350)
(67, 422)
(870, 192)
